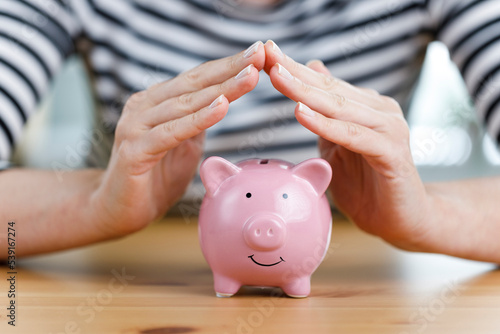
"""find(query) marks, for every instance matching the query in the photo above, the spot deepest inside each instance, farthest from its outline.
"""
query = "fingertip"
(253, 78)
(280, 76)
(218, 108)
(217, 102)
(269, 46)
(273, 70)
(224, 100)
(249, 72)
(275, 48)
(301, 108)
(273, 55)
(224, 104)
(260, 59)
(221, 102)
(305, 116)
(223, 109)
(255, 54)
(240, 84)
(253, 69)
(274, 76)
(244, 83)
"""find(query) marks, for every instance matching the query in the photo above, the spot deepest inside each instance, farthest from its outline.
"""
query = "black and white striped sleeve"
(471, 30)
(35, 38)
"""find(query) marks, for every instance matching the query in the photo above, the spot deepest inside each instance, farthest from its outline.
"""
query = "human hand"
(158, 140)
(365, 138)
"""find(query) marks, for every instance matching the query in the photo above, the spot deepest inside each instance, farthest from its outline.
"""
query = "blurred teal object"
(447, 141)
(55, 137)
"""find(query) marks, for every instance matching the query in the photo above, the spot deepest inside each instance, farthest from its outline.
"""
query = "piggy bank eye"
(249, 195)
(285, 195)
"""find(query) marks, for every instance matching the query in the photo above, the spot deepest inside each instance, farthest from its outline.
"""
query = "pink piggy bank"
(264, 223)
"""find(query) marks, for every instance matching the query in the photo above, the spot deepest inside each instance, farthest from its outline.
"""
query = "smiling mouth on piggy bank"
(265, 265)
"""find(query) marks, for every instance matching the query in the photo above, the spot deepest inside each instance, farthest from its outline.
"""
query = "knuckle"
(306, 89)
(137, 96)
(326, 125)
(371, 91)
(167, 127)
(403, 127)
(135, 101)
(185, 100)
(124, 128)
(353, 130)
(197, 120)
(339, 100)
(127, 151)
(233, 63)
(193, 76)
(220, 89)
(154, 90)
(400, 119)
(171, 137)
(330, 82)
(397, 127)
(391, 102)
(131, 132)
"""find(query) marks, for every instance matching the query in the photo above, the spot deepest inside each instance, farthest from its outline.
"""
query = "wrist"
(432, 236)
(118, 205)
(100, 214)
(425, 225)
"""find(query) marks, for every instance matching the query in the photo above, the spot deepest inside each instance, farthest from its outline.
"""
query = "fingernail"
(305, 110)
(251, 50)
(244, 72)
(216, 102)
(284, 73)
(276, 48)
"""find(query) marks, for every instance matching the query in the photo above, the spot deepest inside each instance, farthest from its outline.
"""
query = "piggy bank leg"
(299, 287)
(225, 286)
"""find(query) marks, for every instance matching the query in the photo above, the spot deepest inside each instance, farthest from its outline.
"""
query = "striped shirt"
(128, 45)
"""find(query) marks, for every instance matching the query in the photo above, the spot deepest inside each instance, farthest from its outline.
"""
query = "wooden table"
(157, 281)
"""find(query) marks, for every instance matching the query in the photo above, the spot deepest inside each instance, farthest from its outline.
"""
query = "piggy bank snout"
(264, 232)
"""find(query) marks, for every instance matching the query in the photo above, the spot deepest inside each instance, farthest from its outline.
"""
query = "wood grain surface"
(157, 281)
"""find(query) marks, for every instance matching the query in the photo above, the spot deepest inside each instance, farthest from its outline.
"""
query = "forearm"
(49, 214)
(465, 219)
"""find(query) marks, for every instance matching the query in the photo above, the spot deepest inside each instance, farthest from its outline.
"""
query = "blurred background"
(446, 140)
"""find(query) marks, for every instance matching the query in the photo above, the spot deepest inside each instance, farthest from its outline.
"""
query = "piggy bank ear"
(214, 171)
(317, 172)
